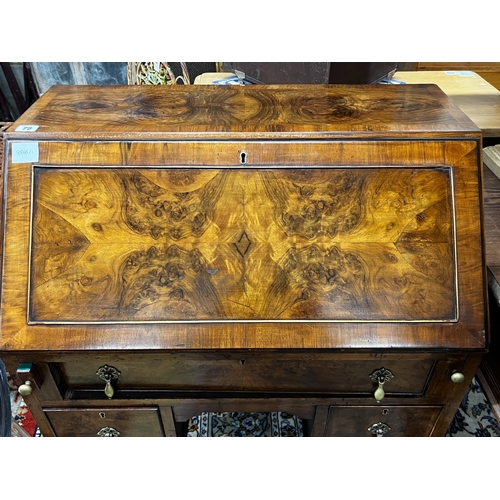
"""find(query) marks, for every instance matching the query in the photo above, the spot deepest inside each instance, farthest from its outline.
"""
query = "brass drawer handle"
(108, 432)
(380, 377)
(379, 429)
(108, 374)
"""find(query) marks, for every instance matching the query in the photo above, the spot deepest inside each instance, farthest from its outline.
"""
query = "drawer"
(105, 422)
(256, 373)
(390, 421)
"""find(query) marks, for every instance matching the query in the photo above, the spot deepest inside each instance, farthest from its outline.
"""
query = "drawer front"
(388, 421)
(105, 422)
(242, 372)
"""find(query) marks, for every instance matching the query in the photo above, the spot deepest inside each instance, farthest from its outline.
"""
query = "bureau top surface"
(166, 241)
(249, 112)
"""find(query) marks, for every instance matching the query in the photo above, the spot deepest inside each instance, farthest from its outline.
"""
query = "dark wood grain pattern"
(201, 112)
(256, 372)
(148, 245)
(123, 422)
(401, 421)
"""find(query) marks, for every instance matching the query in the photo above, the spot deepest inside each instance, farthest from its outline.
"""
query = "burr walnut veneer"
(311, 249)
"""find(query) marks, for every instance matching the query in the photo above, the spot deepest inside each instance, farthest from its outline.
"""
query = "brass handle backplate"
(108, 432)
(380, 377)
(379, 429)
(108, 374)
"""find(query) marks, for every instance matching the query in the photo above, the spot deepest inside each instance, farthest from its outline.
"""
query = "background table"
(479, 100)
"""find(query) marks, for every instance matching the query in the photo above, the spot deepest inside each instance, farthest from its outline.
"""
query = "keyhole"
(385, 411)
(243, 157)
(102, 414)
(242, 362)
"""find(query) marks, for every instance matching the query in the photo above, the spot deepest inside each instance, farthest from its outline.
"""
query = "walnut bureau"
(310, 249)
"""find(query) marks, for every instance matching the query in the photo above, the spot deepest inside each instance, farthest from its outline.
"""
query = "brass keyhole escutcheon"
(380, 377)
(108, 374)
(102, 414)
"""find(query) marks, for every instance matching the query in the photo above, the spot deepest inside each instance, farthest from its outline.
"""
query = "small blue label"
(460, 73)
(24, 152)
(26, 128)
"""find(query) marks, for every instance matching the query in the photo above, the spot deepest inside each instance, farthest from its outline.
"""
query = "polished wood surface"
(405, 222)
(477, 98)
(243, 249)
(255, 111)
(211, 245)
(119, 422)
(400, 421)
(181, 405)
(244, 244)
(246, 371)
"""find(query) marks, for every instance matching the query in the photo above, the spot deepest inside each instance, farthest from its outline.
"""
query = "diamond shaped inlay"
(243, 244)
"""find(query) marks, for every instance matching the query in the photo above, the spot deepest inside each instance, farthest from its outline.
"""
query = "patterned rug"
(474, 418)
(239, 424)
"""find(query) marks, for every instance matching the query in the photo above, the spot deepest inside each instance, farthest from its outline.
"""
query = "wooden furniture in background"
(17, 95)
(489, 372)
(176, 249)
(479, 100)
(490, 71)
(491, 158)
(273, 73)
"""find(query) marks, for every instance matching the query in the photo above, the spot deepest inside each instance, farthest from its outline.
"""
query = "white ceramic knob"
(26, 389)
(457, 377)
